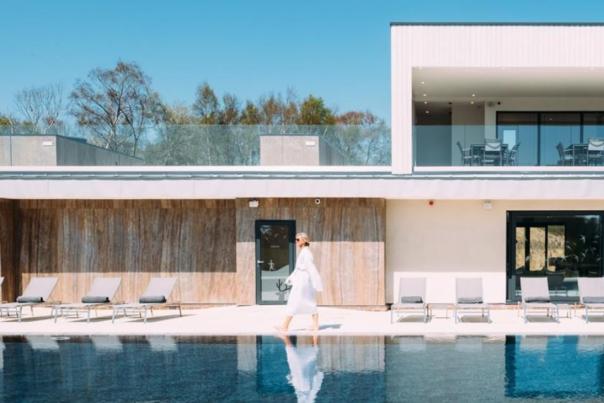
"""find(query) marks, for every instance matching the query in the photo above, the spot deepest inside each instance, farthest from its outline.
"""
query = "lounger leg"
(113, 316)
(391, 315)
(179, 310)
(88, 316)
(586, 314)
(19, 312)
(145, 320)
(525, 318)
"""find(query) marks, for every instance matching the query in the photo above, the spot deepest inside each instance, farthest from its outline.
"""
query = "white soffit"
(485, 83)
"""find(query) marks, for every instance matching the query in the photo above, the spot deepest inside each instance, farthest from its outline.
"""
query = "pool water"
(303, 369)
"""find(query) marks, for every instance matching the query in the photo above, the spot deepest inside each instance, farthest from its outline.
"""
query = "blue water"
(325, 369)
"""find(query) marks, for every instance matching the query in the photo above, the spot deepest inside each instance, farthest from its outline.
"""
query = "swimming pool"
(265, 368)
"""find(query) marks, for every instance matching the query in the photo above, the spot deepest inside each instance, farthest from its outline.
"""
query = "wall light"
(253, 203)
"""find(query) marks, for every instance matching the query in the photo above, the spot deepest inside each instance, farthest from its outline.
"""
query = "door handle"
(260, 261)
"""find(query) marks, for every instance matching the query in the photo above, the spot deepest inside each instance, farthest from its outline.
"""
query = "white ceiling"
(460, 83)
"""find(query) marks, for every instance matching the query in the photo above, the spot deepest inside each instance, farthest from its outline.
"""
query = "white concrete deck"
(247, 320)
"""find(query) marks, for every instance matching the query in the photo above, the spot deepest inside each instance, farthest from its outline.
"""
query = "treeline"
(118, 109)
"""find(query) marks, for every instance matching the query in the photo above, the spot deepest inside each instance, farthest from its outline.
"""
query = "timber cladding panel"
(8, 249)
(78, 240)
(347, 241)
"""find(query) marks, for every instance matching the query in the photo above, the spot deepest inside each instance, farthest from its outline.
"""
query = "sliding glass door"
(552, 138)
(560, 246)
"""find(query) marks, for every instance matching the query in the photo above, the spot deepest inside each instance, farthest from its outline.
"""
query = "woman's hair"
(303, 236)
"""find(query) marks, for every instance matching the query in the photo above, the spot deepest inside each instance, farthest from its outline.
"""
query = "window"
(561, 246)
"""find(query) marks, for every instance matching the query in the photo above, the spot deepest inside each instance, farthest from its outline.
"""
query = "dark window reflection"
(560, 246)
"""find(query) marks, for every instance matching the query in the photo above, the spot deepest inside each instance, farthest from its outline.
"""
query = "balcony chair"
(595, 151)
(466, 154)
(492, 153)
(511, 157)
(565, 156)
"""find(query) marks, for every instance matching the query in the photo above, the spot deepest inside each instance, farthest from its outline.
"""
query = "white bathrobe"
(306, 282)
(304, 374)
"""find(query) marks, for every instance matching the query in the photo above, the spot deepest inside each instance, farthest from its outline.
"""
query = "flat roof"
(397, 23)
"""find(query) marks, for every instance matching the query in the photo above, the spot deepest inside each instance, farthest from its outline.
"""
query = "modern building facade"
(497, 171)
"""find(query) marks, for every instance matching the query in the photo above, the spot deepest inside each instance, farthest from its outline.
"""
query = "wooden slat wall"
(347, 240)
(78, 240)
(8, 249)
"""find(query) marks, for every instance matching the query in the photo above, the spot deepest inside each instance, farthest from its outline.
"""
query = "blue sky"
(338, 50)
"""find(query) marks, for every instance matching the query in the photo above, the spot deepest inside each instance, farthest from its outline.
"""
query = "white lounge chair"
(469, 299)
(536, 298)
(591, 294)
(37, 292)
(156, 295)
(411, 298)
(101, 293)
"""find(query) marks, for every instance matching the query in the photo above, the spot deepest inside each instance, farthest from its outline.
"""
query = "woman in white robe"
(305, 282)
(304, 374)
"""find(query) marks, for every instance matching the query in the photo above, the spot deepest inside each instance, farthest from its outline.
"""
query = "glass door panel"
(537, 249)
(274, 260)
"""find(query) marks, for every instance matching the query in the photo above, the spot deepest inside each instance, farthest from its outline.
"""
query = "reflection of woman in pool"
(306, 282)
(304, 374)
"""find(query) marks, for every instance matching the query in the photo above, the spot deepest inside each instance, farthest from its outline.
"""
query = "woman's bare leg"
(285, 326)
(315, 322)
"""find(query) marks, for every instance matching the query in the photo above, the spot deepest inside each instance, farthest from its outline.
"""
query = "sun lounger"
(469, 299)
(156, 295)
(591, 294)
(37, 292)
(411, 298)
(101, 293)
(535, 298)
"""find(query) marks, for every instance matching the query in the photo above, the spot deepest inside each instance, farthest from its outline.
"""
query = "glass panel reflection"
(560, 245)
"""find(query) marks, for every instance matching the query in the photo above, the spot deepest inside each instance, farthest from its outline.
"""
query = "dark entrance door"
(275, 254)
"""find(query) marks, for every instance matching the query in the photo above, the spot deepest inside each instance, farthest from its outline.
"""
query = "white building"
(497, 171)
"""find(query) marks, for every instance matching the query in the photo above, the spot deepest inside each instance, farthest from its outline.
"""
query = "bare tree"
(117, 105)
(41, 107)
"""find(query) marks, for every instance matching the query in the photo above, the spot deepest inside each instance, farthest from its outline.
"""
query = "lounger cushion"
(94, 299)
(412, 300)
(537, 299)
(152, 299)
(593, 300)
(475, 300)
(24, 299)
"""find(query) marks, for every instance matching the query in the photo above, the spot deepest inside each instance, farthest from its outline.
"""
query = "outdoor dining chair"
(595, 151)
(492, 153)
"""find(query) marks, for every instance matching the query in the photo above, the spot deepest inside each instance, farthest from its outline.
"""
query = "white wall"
(454, 239)
(478, 46)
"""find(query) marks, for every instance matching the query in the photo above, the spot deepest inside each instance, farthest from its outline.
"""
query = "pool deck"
(260, 320)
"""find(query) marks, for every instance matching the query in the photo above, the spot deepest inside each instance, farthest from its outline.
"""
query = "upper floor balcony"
(519, 140)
